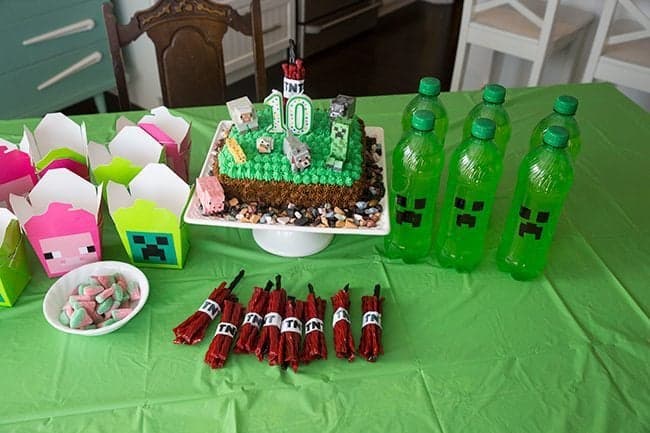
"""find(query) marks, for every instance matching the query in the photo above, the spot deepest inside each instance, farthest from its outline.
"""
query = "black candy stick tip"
(310, 287)
(236, 280)
(268, 286)
(347, 287)
(278, 282)
(377, 290)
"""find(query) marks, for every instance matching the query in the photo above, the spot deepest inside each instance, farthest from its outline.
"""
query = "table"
(479, 352)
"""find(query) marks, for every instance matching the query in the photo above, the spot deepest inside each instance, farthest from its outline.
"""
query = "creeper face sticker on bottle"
(467, 212)
(533, 226)
(406, 213)
(152, 248)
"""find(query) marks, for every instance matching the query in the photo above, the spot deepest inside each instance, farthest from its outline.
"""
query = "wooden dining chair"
(621, 50)
(188, 37)
(527, 29)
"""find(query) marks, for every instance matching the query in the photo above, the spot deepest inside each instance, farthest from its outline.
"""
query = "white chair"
(621, 51)
(528, 29)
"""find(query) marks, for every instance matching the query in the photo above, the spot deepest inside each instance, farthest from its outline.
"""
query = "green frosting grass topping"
(275, 166)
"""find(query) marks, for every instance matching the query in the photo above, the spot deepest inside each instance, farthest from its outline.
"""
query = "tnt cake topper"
(172, 132)
(147, 217)
(294, 73)
(126, 154)
(14, 269)
(58, 142)
(61, 220)
(17, 175)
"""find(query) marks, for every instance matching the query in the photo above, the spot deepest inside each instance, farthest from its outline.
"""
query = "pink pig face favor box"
(61, 220)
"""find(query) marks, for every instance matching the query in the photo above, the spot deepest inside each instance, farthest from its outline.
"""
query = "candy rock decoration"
(14, 269)
(297, 153)
(61, 220)
(339, 139)
(148, 217)
(243, 114)
(17, 175)
(172, 132)
(126, 154)
(58, 142)
(342, 106)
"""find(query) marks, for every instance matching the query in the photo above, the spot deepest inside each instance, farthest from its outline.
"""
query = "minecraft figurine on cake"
(339, 138)
(264, 144)
(297, 153)
(342, 106)
(243, 114)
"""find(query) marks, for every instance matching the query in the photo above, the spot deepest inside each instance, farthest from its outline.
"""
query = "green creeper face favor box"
(124, 157)
(148, 217)
(14, 270)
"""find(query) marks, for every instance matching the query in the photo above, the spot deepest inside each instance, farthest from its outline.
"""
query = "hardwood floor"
(414, 41)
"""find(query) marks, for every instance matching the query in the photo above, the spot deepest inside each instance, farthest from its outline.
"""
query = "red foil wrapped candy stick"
(343, 341)
(253, 320)
(269, 341)
(192, 330)
(314, 346)
(291, 334)
(370, 345)
(217, 354)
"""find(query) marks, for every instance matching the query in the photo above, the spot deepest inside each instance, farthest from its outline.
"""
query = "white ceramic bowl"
(58, 294)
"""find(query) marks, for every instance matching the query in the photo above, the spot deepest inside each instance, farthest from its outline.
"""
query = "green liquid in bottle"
(545, 178)
(428, 99)
(491, 108)
(417, 163)
(563, 115)
(474, 172)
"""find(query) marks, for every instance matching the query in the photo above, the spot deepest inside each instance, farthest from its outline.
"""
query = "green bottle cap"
(566, 104)
(423, 120)
(556, 136)
(484, 128)
(494, 93)
(429, 86)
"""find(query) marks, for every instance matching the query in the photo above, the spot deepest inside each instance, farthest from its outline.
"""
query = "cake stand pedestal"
(287, 243)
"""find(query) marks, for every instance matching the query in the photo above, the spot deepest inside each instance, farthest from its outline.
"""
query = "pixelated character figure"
(533, 228)
(467, 218)
(342, 106)
(405, 215)
(340, 136)
(210, 194)
(235, 150)
(71, 242)
(148, 248)
(243, 114)
(264, 144)
(297, 153)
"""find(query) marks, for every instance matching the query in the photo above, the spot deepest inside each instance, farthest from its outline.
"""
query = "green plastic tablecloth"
(479, 352)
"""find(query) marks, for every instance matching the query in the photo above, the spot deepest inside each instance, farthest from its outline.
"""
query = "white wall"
(513, 72)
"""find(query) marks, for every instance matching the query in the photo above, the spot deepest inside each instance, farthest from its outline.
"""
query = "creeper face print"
(467, 218)
(533, 228)
(404, 215)
(152, 248)
(64, 253)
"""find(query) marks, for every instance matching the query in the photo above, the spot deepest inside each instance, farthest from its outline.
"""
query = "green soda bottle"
(564, 110)
(545, 177)
(427, 99)
(494, 95)
(474, 172)
(417, 163)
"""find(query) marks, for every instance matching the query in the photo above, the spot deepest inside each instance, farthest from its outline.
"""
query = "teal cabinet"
(52, 57)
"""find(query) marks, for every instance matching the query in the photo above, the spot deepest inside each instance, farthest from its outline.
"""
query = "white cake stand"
(289, 240)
